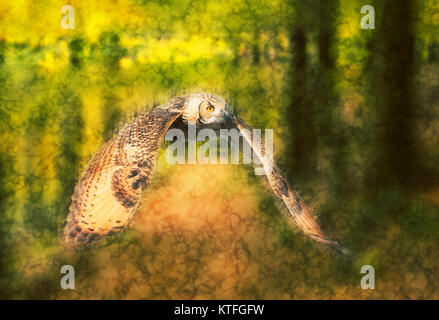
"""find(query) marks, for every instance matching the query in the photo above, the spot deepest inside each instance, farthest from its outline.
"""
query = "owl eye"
(210, 108)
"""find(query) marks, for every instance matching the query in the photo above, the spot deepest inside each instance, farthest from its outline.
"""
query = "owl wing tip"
(74, 237)
(335, 246)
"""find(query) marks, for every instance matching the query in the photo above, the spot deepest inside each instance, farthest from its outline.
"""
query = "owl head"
(205, 109)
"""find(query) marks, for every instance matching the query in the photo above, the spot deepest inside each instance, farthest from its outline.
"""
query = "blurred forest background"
(355, 118)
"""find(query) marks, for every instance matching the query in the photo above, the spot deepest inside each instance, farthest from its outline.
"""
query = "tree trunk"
(301, 148)
(395, 162)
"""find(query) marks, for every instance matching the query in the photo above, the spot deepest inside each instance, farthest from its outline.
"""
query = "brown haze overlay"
(199, 234)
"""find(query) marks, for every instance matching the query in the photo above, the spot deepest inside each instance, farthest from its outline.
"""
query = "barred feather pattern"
(108, 192)
(301, 213)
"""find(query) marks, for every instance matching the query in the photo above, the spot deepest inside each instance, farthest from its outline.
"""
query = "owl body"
(109, 190)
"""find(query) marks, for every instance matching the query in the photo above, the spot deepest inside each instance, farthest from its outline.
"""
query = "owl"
(107, 194)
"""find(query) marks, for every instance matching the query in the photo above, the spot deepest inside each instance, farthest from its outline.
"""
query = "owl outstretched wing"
(301, 213)
(106, 196)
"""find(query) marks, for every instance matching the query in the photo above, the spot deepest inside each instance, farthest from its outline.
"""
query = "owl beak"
(229, 116)
(227, 113)
(225, 116)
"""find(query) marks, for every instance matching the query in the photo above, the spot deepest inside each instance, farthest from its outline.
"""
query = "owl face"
(206, 108)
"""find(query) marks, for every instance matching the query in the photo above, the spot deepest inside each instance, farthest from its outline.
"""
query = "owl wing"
(106, 196)
(296, 206)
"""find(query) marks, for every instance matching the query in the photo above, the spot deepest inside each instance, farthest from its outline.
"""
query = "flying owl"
(107, 195)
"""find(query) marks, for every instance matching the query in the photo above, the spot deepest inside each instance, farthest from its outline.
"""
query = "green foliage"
(338, 98)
